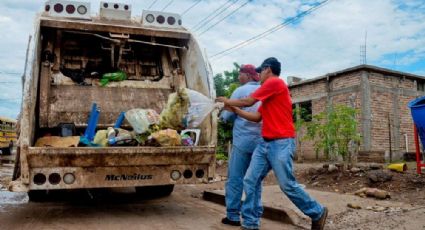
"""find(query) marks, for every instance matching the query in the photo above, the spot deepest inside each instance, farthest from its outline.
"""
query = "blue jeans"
(238, 164)
(277, 155)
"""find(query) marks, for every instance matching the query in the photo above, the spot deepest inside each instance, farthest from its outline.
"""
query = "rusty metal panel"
(72, 103)
(107, 177)
(119, 156)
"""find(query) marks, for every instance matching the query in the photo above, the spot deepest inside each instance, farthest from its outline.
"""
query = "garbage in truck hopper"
(177, 124)
(185, 109)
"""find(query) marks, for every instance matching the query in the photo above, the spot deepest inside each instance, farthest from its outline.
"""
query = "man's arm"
(244, 102)
(228, 115)
(250, 116)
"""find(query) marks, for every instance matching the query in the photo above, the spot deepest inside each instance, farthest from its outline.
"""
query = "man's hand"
(229, 108)
(221, 99)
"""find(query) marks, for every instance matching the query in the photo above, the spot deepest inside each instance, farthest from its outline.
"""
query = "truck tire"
(155, 191)
(37, 195)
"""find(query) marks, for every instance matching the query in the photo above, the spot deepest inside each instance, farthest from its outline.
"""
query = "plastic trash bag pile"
(185, 110)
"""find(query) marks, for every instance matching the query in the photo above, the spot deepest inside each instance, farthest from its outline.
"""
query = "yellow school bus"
(7, 135)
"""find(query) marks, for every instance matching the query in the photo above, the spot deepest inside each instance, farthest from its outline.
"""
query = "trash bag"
(116, 76)
(77, 76)
(172, 115)
(123, 138)
(141, 119)
(200, 107)
(185, 109)
(167, 137)
(101, 138)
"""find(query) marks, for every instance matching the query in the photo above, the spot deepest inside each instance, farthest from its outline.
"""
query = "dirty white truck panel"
(157, 60)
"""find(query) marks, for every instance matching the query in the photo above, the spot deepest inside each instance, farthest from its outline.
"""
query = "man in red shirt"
(277, 150)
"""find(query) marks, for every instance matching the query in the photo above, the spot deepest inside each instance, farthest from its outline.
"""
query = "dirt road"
(118, 209)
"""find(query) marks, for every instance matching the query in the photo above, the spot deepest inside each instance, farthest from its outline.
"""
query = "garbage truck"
(72, 51)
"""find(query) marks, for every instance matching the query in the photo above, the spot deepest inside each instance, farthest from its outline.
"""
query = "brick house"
(381, 97)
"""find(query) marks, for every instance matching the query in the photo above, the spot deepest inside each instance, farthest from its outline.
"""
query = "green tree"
(333, 131)
(225, 83)
(219, 85)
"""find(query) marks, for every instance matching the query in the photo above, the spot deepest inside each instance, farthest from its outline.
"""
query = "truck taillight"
(82, 9)
(171, 20)
(175, 175)
(70, 9)
(150, 18)
(68, 178)
(54, 178)
(39, 179)
(161, 19)
(58, 8)
(115, 11)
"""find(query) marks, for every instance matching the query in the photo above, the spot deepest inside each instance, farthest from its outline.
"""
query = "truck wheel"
(155, 191)
(17, 167)
(37, 195)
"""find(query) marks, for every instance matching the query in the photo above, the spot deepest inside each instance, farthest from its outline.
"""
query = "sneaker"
(320, 223)
(225, 220)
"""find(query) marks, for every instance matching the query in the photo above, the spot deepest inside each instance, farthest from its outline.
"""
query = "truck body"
(157, 60)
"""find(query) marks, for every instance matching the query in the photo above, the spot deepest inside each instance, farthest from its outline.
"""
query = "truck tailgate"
(119, 166)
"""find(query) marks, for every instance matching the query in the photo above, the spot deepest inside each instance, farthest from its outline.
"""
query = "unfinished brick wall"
(308, 90)
(391, 116)
(389, 95)
(406, 124)
(345, 81)
(381, 107)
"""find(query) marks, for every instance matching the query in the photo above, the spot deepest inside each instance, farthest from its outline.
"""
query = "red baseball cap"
(250, 69)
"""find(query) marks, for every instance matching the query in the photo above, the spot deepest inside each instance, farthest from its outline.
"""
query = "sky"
(327, 40)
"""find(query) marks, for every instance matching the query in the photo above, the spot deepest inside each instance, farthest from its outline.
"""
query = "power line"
(269, 31)
(10, 99)
(207, 17)
(228, 15)
(169, 3)
(153, 3)
(10, 73)
(193, 5)
(215, 16)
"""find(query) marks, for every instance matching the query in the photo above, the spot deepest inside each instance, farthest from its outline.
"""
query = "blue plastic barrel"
(417, 108)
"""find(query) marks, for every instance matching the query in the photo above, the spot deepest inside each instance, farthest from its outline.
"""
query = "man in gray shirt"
(246, 134)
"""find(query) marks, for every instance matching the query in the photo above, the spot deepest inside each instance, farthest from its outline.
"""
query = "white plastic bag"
(199, 108)
(141, 119)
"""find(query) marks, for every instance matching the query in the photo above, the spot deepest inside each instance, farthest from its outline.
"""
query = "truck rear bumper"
(71, 168)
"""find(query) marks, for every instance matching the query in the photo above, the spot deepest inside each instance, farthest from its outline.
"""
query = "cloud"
(325, 41)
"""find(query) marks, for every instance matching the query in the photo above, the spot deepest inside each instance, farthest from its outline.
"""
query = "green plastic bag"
(116, 76)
